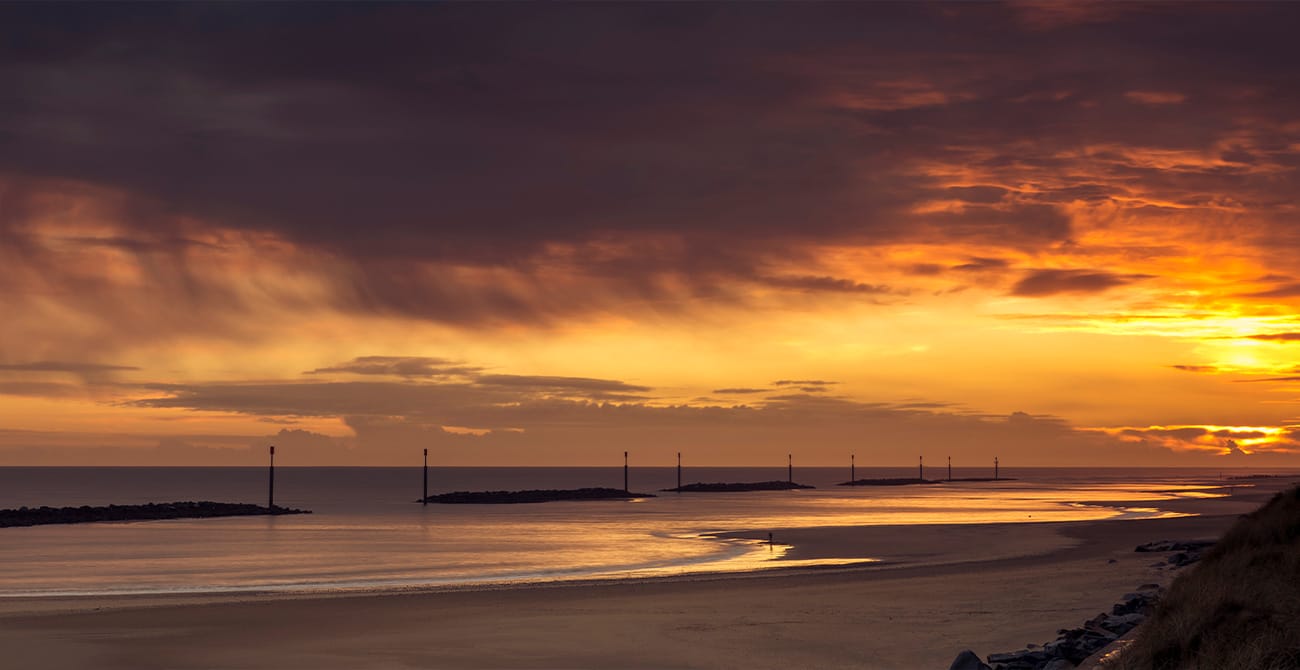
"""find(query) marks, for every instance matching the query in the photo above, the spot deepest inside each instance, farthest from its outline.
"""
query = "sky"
(518, 234)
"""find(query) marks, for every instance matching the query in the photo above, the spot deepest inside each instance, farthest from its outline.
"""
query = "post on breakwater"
(679, 472)
(995, 468)
(425, 499)
(920, 467)
(789, 467)
(950, 468)
(853, 475)
(270, 483)
(625, 471)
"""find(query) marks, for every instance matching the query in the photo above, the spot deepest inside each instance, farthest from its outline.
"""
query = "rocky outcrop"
(1187, 551)
(531, 496)
(896, 481)
(968, 660)
(733, 487)
(1073, 645)
(37, 516)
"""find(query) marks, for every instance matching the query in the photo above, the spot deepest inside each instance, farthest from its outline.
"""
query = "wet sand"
(988, 588)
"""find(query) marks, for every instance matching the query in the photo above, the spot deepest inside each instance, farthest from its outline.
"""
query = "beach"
(987, 587)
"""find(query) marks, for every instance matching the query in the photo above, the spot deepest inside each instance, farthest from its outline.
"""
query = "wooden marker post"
(625, 471)
(853, 475)
(425, 499)
(679, 472)
(270, 486)
(789, 467)
(995, 468)
(950, 468)
(920, 467)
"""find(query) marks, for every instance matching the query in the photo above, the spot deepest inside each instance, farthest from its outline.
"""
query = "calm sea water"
(367, 531)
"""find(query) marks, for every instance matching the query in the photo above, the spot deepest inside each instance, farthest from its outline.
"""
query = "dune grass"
(1239, 608)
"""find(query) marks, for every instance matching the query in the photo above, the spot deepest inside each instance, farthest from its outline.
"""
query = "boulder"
(1122, 623)
(967, 660)
(1024, 656)
(1175, 545)
(1059, 664)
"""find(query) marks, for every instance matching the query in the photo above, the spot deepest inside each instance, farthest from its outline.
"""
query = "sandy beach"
(938, 590)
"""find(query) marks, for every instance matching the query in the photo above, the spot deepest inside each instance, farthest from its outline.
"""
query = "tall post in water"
(920, 467)
(270, 483)
(853, 475)
(995, 468)
(789, 467)
(625, 471)
(425, 499)
(950, 468)
(679, 472)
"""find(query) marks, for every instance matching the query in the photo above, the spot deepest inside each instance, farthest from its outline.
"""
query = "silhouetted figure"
(770, 543)
(270, 484)
(789, 465)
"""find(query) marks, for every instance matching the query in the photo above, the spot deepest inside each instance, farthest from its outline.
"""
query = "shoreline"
(905, 615)
(804, 550)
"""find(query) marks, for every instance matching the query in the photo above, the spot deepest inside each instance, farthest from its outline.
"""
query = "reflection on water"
(363, 535)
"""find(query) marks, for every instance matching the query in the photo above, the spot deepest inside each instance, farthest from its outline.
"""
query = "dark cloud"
(401, 366)
(978, 264)
(1186, 434)
(1195, 368)
(739, 391)
(1290, 290)
(980, 194)
(469, 424)
(40, 389)
(479, 164)
(1276, 337)
(489, 131)
(1038, 283)
(583, 384)
(64, 366)
(830, 284)
(802, 382)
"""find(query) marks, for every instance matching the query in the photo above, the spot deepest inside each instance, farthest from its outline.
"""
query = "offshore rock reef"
(912, 481)
(531, 496)
(38, 516)
(890, 481)
(734, 487)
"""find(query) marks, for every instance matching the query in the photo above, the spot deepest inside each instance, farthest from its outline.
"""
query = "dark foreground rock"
(1175, 545)
(38, 516)
(896, 481)
(734, 487)
(967, 660)
(532, 496)
(1073, 645)
(1186, 553)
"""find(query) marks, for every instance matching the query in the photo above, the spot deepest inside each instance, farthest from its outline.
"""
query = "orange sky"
(527, 237)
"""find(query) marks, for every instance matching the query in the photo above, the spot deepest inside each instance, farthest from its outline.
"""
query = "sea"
(368, 530)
